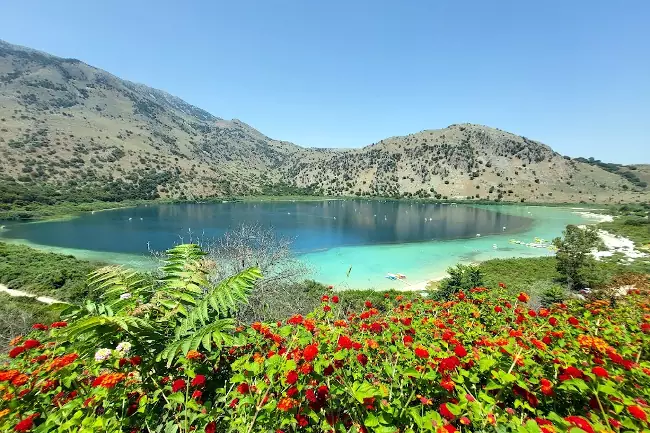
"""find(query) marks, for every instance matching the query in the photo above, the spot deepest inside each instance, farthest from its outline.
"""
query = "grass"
(519, 273)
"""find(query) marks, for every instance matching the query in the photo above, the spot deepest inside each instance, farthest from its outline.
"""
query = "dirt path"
(17, 293)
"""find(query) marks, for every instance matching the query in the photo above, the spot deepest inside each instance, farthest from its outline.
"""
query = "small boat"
(391, 276)
(401, 276)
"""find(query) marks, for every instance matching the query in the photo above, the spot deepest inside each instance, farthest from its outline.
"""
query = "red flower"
(363, 359)
(233, 403)
(573, 321)
(325, 298)
(292, 391)
(450, 428)
(344, 342)
(600, 372)
(292, 377)
(199, 380)
(447, 383)
(502, 285)
(30, 344)
(448, 364)
(327, 308)
(637, 413)
(196, 395)
(368, 304)
(25, 425)
(59, 324)
(39, 327)
(310, 352)
(335, 299)
(16, 351)
(407, 340)
(135, 360)
(421, 352)
(498, 309)
(552, 321)
(460, 351)
(178, 385)
(571, 373)
(444, 411)
(243, 388)
(523, 297)
(580, 422)
(211, 427)
(547, 387)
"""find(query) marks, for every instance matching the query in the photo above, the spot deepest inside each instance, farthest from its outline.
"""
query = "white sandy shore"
(601, 218)
(20, 293)
(617, 244)
(420, 286)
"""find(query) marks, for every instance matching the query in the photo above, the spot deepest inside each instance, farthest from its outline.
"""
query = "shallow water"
(350, 244)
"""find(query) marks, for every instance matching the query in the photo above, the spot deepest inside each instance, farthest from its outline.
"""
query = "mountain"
(72, 127)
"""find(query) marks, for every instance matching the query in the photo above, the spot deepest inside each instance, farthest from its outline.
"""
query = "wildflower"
(4, 413)
(108, 380)
(8, 375)
(573, 321)
(310, 352)
(193, 354)
(292, 377)
(199, 380)
(368, 304)
(546, 386)
(407, 340)
(421, 352)
(344, 342)
(62, 361)
(123, 347)
(498, 309)
(20, 380)
(523, 297)
(178, 385)
(16, 351)
(425, 401)
(637, 413)
(465, 421)
(491, 419)
(363, 359)
(335, 299)
(448, 364)
(59, 324)
(243, 388)
(211, 427)
(552, 321)
(39, 327)
(102, 355)
(125, 296)
(571, 373)
(196, 395)
(26, 424)
(292, 391)
(233, 403)
(580, 422)
(445, 412)
(30, 344)
(327, 308)
(600, 372)
(460, 351)
(286, 404)
(447, 383)
(296, 319)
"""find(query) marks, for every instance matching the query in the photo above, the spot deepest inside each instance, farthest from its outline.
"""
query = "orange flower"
(286, 404)
(193, 354)
(62, 361)
(108, 380)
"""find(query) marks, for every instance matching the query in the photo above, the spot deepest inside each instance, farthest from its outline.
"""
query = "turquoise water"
(349, 244)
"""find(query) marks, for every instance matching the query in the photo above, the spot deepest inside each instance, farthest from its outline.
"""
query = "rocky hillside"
(72, 127)
(465, 161)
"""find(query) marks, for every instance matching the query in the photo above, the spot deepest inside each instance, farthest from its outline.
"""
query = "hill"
(72, 132)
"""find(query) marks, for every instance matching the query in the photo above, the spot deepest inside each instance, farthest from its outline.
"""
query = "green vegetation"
(574, 261)
(18, 314)
(625, 171)
(59, 276)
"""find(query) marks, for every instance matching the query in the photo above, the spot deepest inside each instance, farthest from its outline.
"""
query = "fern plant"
(178, 312)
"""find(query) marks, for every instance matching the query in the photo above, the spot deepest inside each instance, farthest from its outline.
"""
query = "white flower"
(125, 296)
(102, 355)
(123, 347)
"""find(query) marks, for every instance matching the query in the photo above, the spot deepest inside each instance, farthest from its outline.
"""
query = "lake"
(370, 237)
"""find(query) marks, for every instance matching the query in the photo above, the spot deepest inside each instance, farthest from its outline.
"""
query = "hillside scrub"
(149, 358)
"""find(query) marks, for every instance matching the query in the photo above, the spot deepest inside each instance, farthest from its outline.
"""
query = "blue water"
(369, 237)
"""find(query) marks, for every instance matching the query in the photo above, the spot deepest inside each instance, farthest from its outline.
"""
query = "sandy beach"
(20, 293)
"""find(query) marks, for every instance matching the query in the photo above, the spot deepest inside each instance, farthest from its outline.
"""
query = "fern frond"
(221, 301)
(216, 333)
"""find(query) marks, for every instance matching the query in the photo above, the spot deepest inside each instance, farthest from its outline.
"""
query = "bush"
(461, 278)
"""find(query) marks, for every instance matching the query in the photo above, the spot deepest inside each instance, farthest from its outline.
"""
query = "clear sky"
(344, 73)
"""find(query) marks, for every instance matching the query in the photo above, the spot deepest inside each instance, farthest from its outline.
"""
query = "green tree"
(574, 261)
(461, 277)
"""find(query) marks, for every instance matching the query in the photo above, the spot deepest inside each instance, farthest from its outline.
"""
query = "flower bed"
(478, 363)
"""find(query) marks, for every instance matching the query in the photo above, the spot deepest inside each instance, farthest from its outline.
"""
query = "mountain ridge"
(67, 124)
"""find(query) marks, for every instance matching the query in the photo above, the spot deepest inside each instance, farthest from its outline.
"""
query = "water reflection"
(312, 225)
